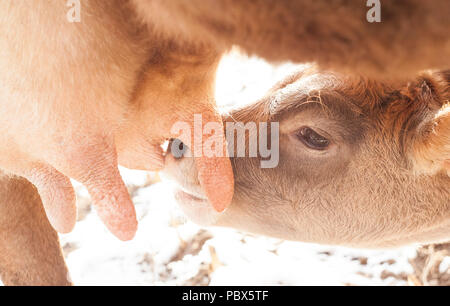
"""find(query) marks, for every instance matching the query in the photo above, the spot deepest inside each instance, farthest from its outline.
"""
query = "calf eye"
(312, 139)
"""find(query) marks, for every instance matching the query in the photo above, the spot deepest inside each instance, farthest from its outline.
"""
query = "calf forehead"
(349, 96)
(321, 98)
(346, 97)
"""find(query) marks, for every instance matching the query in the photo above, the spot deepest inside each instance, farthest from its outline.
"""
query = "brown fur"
(30, 252)
(103, 80)
(411, 36)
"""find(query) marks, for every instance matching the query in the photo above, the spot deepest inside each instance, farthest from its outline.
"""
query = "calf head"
(361, 163)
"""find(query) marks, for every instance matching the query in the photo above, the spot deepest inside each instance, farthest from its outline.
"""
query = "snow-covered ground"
(170, 250)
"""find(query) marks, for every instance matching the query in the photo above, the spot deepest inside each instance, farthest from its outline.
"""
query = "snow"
(221, 257)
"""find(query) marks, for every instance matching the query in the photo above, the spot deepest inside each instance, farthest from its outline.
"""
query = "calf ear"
(431, 146)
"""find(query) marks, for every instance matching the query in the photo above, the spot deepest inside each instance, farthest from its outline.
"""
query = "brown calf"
(362, 163)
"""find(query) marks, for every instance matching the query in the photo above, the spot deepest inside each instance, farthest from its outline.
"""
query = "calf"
(362, 163)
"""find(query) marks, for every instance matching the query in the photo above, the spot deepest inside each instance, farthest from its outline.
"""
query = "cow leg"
(30, 253)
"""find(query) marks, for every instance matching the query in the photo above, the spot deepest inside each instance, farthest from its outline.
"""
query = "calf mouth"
(188, 192)
(187, 196)
(197, 209)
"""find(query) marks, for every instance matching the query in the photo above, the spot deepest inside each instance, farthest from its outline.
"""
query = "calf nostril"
(177, 148)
